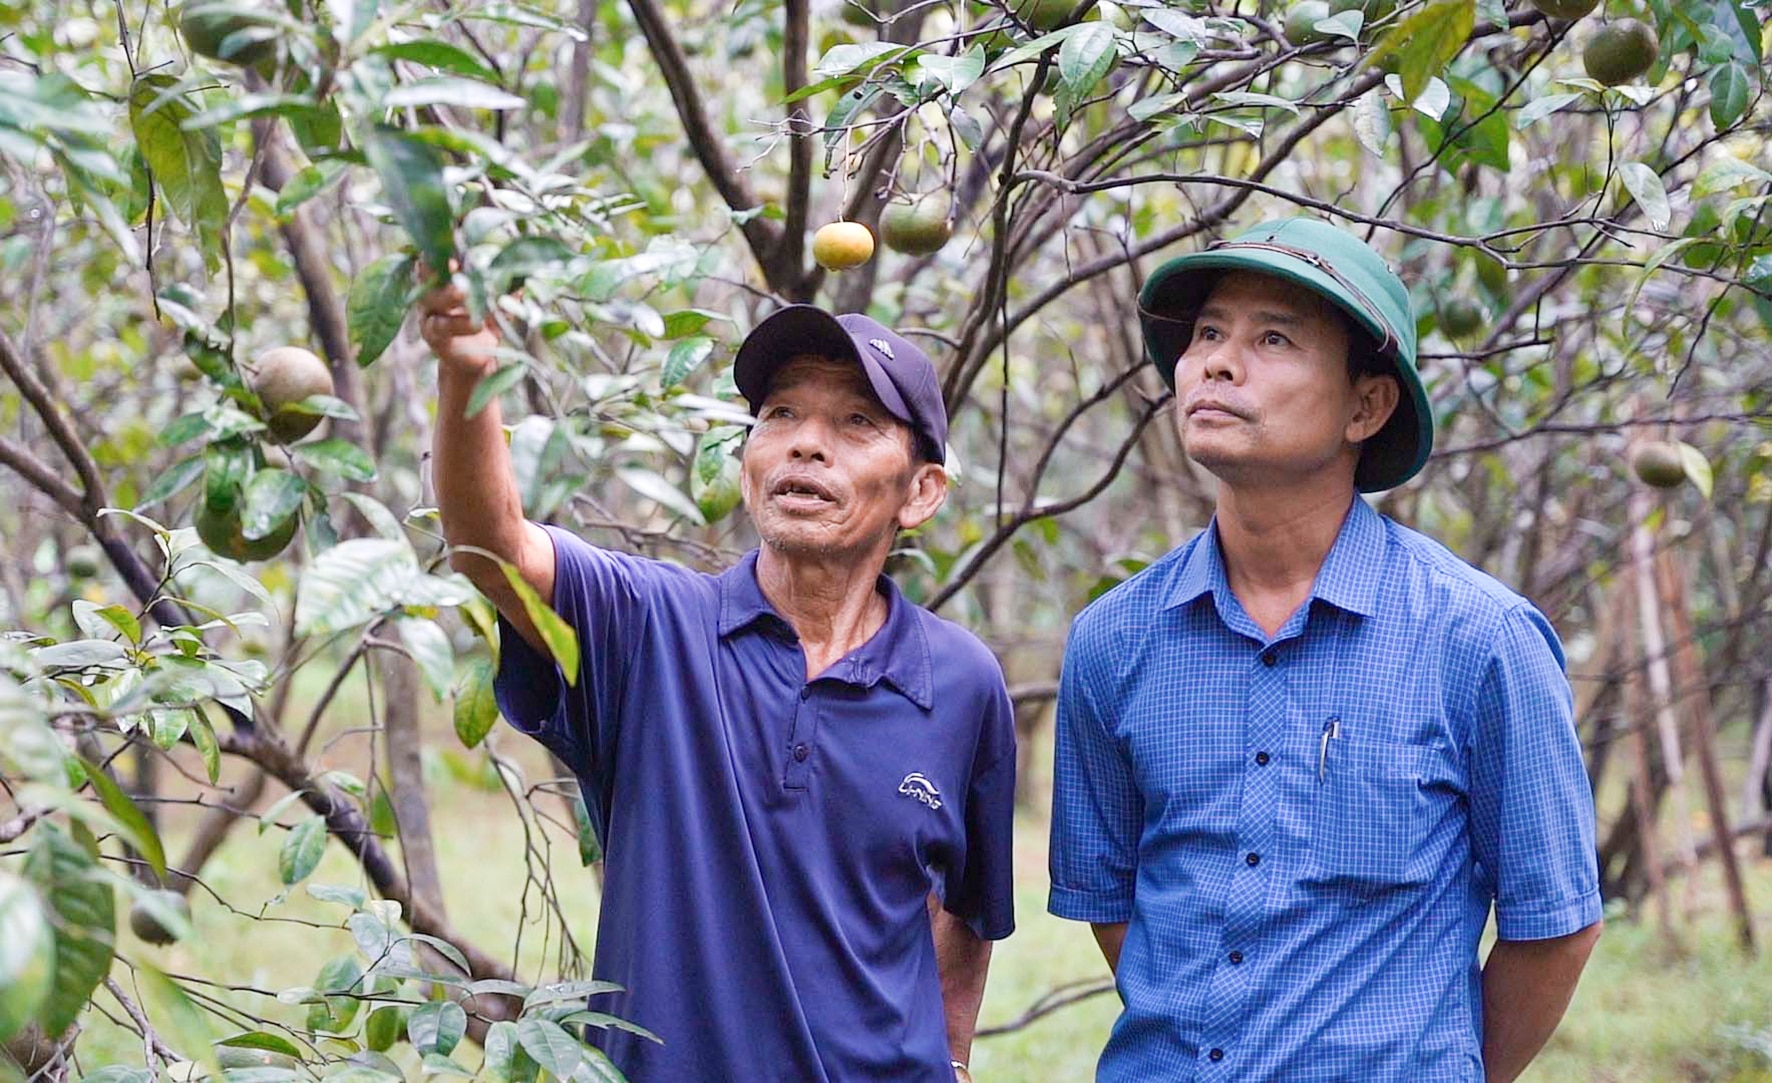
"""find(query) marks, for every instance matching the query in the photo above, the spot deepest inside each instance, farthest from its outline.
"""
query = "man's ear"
(927, 492)
(1375, 400)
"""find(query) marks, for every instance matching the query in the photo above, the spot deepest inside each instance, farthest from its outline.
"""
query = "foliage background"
(1591, 268)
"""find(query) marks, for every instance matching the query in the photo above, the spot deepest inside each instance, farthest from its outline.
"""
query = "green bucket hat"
(1339, 266)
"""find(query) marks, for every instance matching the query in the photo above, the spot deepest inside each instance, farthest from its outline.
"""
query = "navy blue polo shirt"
(771, 842)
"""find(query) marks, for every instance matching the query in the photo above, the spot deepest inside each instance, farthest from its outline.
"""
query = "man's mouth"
(1212, 408)
(798, 489)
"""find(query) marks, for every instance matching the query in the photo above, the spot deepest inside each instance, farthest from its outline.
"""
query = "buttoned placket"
(802, 737)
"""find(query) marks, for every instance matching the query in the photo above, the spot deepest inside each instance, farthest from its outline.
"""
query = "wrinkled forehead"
(832, 374)
(1236, 292)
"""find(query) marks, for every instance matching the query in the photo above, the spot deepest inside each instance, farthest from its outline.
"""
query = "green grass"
(1644, 1012)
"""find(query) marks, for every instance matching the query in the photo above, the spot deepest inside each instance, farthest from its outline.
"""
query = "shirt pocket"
(1370, 814)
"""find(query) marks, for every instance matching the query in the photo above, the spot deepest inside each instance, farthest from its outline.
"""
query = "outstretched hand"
(451, 333)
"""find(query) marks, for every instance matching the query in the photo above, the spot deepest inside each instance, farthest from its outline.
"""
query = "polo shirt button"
(1262, 758)
(1252, 859)
(1268, 658)
(1216, 1054)
(1236, 958)
(801, 752)
(806, 693)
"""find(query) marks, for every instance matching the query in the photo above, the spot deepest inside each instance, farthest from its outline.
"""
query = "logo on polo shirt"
(916, 785)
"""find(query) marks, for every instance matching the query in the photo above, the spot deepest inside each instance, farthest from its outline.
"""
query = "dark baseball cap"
(901, 374)
(1344, 270)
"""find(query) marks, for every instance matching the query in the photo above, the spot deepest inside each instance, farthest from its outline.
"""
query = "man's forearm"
(1526, 988)
(964, 960)
(1110, 937)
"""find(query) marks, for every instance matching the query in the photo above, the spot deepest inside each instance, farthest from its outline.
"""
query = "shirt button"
(1236, 958)
(806, 693)
(1252, 859)
(1216, 1054)
(1268, 658)
(801, 752)
(1261, 758)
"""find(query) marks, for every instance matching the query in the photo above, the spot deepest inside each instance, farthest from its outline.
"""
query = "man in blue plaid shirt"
(1303, 756)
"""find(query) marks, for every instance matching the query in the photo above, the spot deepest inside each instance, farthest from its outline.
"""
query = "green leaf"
(377, 305)
(361, 579)
(436, 1026)
(438, 1064)
(1260, 101)
(1422, 44)
(844, 59)
(1646, 188)
(1726, 172)
(338, 456)
(523, 257)
(272, 496)
(476, 708)
(302, 850)
(450, 90)
(1086, 56)
(606, 1021)
(955, 73)
(1697, 467)
(590, 851)
(501, 1051)
(186, 165)
(137, 831)
(383, 1028)
(27, 954)
(844, 113)
(310, 182)
(428, 646)
(685, 357)
(655, 487)
(550, 1045)
(250, 105)
(172, 482)
(561, 640)
(411, 173)
(343, 975)
(203, 736)
(438, 54)
(492, 385)
(1372, 122)
(84, 909)
(182, 1025)
(258, 1039)
(1539, 108)
(1729, 93)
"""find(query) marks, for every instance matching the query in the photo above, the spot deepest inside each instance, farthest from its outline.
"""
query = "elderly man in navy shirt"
(803, 782)
(1303, 756)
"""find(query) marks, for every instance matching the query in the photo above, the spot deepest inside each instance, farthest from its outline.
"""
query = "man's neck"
(833, 604)
(1274, 540)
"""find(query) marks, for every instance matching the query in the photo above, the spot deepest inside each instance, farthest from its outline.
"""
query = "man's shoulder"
(1440, 581)
(953, 644)
(644, 578)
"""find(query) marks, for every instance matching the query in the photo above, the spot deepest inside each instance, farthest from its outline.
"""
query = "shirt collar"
(897, 654)
(1348, 579)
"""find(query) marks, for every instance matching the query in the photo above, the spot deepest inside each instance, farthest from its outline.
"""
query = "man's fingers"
(442, 300)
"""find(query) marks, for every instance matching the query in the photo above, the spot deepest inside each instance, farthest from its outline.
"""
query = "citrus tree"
(214, 218)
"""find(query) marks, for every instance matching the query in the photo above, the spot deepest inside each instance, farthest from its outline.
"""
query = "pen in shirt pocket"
(1331, 731)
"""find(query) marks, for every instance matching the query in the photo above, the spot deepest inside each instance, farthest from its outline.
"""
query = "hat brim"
(798, 330)
(1175, 292)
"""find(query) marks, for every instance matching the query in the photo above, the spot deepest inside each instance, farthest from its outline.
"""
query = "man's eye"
(776, 412)
(1274, 338)
(1205, 332)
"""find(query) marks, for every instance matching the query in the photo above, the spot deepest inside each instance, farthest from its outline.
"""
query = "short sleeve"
(599, 594)
(982, 890)
(1532, 810)
(1097, 811)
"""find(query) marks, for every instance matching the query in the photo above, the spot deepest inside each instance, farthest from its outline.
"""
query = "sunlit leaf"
(376, 306)
(302, 850)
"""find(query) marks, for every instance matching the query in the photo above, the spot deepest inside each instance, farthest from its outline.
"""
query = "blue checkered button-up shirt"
(1306, 833)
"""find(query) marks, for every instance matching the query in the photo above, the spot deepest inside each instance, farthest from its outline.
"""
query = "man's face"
(1262, 390)
(828, 471)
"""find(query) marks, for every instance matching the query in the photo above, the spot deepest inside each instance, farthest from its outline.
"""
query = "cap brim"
(1179, 287)
(796, 331)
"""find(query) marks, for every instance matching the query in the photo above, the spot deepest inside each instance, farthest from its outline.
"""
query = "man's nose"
(811, 441)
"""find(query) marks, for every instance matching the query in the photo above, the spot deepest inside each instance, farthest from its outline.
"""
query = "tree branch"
(790, 249)
(763, 236)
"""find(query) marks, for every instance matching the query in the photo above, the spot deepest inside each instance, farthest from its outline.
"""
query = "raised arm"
(471, 465)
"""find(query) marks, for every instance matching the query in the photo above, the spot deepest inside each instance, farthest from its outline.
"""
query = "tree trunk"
(400, 721)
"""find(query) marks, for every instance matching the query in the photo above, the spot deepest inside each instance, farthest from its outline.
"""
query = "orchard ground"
(1645, 1013)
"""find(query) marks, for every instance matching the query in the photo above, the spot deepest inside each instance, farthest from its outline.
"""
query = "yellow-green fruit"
(206, 26)
(1302, 20)
(1460, 317)
(1659, 463)
(1621, 52)
(916, 229)
(1565, 9)
(27, 953)
(82, 561)
(1044, 15)
(842, 245)
(282, 377)
(221, 531)
(146, 924)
